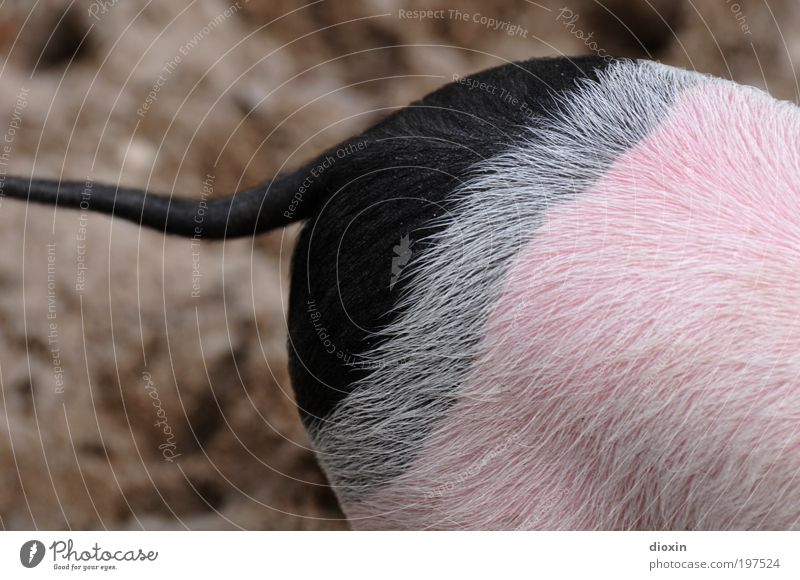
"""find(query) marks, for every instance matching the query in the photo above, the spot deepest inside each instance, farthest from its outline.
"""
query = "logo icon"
(402, 254)
(31, 553)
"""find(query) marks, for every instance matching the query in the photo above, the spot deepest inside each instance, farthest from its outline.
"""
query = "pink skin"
(640, 370)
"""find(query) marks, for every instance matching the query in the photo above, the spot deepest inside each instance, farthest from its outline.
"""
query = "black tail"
(245, 213)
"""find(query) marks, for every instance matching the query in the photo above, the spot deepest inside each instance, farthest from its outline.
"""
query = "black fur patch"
(349, 264)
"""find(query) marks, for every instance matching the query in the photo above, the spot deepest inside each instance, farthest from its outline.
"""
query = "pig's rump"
(603, 334)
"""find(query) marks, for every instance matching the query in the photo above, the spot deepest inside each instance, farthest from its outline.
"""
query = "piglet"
(557, 294)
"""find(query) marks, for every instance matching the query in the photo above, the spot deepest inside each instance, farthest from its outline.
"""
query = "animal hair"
(603, 335)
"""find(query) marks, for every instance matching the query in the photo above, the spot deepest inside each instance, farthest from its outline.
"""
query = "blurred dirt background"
(128, 403)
